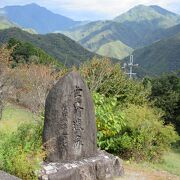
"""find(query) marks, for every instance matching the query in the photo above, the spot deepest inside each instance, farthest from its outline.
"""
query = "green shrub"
(21, 151)
(136, 132)
(109, 122)
(145, 136)
(106, 78)
(166, 95)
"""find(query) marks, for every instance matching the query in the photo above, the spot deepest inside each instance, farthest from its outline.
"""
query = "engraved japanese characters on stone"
(77, 122)
(69, 120)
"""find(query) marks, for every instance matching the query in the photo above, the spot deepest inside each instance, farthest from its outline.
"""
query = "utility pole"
(130, 66)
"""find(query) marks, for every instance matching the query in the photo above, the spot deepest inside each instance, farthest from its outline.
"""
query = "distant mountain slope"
(153, 15)
(38, 18)
(162, 56)
(96, 35)
(134, 29)
(161, 34)
(5, 23)
(58, 46)
(115, 49)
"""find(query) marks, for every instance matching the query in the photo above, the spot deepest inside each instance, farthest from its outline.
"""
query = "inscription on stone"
(77, 122)
(64, 138)
(69, 128)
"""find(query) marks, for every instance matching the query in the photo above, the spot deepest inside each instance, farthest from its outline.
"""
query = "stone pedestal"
(103, 166)
(6, 176)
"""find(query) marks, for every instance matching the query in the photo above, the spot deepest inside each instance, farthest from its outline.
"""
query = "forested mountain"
(146, 30)
(133, 29)
(32, 16)
(161, 34)
(58, 46)
(26, 53)
(160, 57)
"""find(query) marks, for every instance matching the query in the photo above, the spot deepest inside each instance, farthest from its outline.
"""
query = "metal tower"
(130, 66)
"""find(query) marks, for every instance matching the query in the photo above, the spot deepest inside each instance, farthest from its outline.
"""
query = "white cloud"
(101, 8)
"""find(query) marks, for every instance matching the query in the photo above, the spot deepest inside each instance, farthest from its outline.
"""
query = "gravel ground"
(134, 173)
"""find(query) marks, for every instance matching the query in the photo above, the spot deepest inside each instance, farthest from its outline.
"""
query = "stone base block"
(6, 176)
(103, 166)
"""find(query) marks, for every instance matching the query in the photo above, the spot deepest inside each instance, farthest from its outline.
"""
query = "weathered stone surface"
(5, 176)
(103, 166)
(69, 128)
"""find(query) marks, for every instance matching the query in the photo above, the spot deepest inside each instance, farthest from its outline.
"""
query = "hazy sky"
(94, 9)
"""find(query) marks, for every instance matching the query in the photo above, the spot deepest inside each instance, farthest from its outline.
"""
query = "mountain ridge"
(38, 18)
(62, 48)
(135, 29)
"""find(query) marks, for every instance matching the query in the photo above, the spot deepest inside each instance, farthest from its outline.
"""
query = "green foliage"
(21, 151)
(166, 95)
(25, 52)
(147, 138)
(109, 122)
(106, 78)
(136, 132)
(127, 122)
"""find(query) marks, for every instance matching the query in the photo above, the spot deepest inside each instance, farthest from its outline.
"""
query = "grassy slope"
(13, 116)
(168, 169)
(115, 49)
(58, 46)
(171, 162)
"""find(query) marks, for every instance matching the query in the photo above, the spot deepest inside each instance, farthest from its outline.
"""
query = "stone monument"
(69, 135)
(69, 128)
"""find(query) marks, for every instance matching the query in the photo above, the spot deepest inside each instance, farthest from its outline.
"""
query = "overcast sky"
(94, 9)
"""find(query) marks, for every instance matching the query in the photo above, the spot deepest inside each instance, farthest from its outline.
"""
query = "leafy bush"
(109, 122)
(21, 151)
(106, 78)
(136, 132)
(148, 137)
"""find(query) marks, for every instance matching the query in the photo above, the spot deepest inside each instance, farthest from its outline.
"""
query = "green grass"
(13, 116)
(171, 162)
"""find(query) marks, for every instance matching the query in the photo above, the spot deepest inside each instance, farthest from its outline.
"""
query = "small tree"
(5, 73)
(32, 83)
